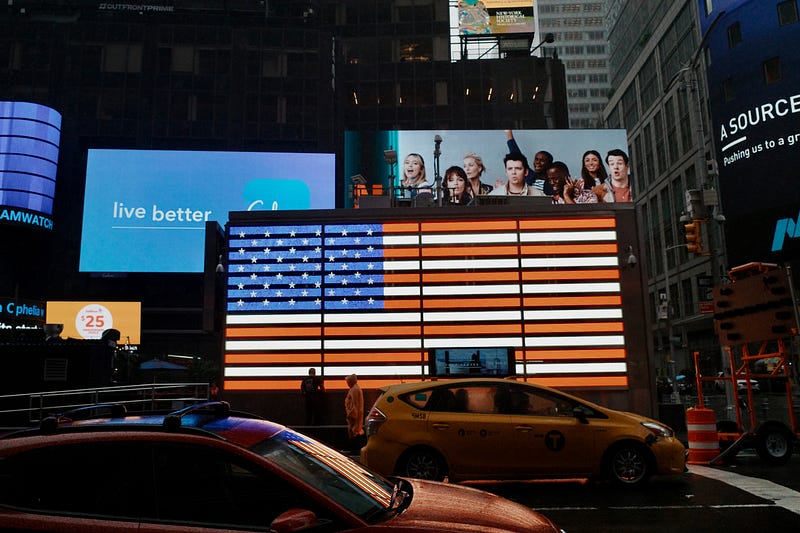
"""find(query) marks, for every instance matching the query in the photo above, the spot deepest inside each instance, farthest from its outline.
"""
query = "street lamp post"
(674, 397)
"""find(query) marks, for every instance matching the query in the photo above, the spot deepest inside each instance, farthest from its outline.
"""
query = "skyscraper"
(581, 42)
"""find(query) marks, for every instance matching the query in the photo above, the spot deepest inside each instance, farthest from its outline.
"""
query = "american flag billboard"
(372, 295)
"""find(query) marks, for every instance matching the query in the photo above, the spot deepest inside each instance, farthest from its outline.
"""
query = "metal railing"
(32, 407)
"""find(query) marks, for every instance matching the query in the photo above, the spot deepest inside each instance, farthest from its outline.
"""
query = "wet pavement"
(743, 497)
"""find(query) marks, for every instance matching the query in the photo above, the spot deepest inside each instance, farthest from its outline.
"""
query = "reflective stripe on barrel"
(701, 426)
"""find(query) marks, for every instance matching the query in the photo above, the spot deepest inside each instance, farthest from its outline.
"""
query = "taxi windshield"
(347, 482)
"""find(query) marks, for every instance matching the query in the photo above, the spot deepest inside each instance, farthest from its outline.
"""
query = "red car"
(205, 468)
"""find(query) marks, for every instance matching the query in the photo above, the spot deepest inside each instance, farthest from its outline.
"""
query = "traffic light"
(692, 236)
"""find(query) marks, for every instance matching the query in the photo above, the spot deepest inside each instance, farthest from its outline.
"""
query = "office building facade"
(581, 42)
(658, 79)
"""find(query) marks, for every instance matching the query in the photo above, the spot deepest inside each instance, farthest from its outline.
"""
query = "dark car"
(207, 468)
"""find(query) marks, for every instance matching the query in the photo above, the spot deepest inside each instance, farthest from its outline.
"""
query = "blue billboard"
(29, 141)
(146, 210)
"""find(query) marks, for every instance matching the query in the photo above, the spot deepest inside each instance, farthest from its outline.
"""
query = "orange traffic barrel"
(701, 426)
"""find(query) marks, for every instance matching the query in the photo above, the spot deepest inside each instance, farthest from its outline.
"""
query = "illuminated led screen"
(365, 152)
(88, 320)
(474, 362)
(29, 140)
(755, 128)
(483, 17)
(373, 297)
(146, 210)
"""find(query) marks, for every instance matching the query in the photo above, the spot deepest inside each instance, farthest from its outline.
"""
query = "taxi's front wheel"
(628, 464)
(422, 463)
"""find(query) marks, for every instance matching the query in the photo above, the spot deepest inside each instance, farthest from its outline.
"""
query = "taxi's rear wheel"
(422, 463)
(628, 464)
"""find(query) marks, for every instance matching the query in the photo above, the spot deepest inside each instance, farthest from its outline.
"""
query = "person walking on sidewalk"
(354, 413)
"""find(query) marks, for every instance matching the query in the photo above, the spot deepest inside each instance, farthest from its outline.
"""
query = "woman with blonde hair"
(474, 168)
(414, 177)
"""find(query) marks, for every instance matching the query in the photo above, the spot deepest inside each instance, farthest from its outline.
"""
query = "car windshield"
(342, 479)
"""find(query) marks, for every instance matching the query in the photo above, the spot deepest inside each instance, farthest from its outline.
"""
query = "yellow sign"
(88, 320)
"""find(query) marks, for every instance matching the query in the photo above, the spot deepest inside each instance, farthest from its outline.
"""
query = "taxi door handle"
(441, 425)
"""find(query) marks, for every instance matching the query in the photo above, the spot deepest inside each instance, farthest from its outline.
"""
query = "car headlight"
(659, 430)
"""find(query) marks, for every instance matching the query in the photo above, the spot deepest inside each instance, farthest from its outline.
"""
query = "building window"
(648, 82)
(630, 109)
(636, 161)
(688, 298)
(441, 93)
(734, 35)
(661, 155)
(613, 119)
(649, 159)
(787, 12)
(421, 50)
(122, 58)
(685, 121)
(728, 89)
(772, 70)
(672, 129)
(274, 65)
(182, 59)
(691, 178)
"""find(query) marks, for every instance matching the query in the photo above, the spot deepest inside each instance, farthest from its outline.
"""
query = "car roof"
(211, 419)
(402, 388)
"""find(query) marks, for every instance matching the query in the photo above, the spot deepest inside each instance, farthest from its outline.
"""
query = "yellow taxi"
(492, 428)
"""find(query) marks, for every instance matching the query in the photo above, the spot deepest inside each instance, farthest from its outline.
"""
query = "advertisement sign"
(365, 152)
(21, 314)
(146, 210)
(88, 320)
(484, 17)
(29, 140)
(378, 295)
(754, 95)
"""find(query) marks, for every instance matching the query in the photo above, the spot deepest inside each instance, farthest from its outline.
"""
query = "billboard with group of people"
(568, 166)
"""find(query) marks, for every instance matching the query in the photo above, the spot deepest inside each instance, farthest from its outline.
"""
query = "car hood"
(458, 508)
